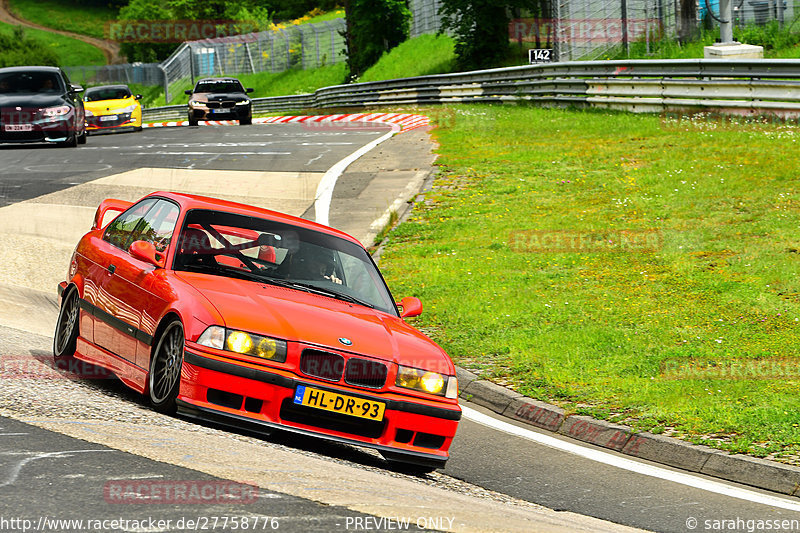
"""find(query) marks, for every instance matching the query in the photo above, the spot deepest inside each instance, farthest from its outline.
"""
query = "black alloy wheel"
(165, 368)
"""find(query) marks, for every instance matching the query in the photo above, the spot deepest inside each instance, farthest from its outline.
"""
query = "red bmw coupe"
(258, 319)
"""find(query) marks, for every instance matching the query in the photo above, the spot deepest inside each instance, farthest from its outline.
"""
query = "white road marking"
(318, 157)
(13, 474)
(322, 199)
(212, 153)
(629, 464)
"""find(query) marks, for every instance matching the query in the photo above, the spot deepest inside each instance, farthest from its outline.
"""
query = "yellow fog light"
(421, 380)
(239, 342)
(432, 382)
(266, 348)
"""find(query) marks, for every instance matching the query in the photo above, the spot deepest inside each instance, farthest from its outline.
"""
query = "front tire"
(165, 368)
(65, 339)
(71, 142)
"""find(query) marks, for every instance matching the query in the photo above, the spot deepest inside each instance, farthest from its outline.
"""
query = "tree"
(481, 29)
(17, 49)
(373, 28)
(181, 10)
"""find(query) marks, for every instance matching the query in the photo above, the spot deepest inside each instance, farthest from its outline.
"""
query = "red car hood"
(318, 320)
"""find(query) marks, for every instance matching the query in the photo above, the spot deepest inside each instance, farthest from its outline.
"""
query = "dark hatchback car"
(219, 99)
(39, 104)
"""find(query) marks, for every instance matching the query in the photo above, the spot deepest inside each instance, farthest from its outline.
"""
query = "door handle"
(111, 269)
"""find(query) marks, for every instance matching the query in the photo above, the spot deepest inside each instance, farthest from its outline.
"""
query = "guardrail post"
(624, 17)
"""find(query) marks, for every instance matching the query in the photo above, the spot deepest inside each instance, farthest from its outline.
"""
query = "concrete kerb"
(760, 473)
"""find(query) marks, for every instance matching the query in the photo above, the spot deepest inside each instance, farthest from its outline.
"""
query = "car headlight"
(89, 113)
(243, 102)
(56, 111)
(196, 103)
(426, 381)
(130, 109)
(234, 340)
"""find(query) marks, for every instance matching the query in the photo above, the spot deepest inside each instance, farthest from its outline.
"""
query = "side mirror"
(411, 307)
(138, 96)
(76, 88)
(188, 92)
(146, 251)
(248, 90)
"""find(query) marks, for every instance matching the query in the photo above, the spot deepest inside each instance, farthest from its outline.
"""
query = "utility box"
(733, 51)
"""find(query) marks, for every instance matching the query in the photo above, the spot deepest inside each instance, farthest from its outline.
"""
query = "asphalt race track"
(63, 442)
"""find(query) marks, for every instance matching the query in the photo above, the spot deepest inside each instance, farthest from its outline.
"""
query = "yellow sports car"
(112, 108)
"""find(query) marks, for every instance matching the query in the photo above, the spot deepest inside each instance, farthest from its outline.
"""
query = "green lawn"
(638, 335)
(85, 20)
(421, 56)
(70, 52)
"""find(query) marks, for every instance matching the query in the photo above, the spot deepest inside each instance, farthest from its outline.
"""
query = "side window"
(158, 225)
(121, 229)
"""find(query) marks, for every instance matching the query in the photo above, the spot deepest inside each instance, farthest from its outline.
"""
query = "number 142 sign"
(540, 55)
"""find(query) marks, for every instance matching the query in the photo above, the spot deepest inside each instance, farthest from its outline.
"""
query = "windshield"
(106, 93)
(219, 87)
(257, 249)
(30, 82)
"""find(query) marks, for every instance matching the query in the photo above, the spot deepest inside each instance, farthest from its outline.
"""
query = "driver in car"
(315, 265)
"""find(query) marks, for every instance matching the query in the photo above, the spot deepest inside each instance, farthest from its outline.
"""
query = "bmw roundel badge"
(345, 341)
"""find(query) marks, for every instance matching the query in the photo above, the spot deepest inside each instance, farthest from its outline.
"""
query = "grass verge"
(421, 56)
(66, 16)
(70, 52)
(692, 335)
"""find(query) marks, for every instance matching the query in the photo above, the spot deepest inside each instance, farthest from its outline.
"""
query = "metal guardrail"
(767, 86)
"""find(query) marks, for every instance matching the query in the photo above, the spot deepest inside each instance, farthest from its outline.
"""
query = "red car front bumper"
(245, 396)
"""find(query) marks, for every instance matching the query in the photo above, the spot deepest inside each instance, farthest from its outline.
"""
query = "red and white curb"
(404, 121)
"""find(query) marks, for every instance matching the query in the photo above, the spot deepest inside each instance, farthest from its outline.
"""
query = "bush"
(17, 49)
(771, 36)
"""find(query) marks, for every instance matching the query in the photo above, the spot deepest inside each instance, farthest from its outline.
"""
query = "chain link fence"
(139, 73)
(751, 11)
(303, 46)
(596, 29)
(425, 16)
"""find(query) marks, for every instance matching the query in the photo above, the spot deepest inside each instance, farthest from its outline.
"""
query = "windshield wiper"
(327, 292)
(221, 270)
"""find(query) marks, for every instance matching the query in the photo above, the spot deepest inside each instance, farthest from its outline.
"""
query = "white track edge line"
(629, 464)
(324, 193)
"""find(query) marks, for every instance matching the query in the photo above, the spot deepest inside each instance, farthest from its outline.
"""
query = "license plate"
(220, 110)
(339, 403)
(106, 118)
(18, 127)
